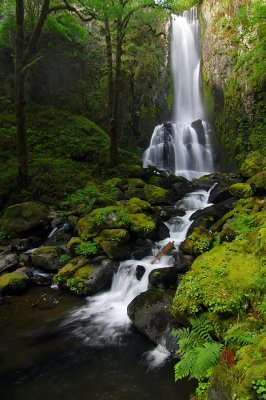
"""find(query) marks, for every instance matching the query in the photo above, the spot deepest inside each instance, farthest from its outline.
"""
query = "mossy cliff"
(222, 299)
(234, 75)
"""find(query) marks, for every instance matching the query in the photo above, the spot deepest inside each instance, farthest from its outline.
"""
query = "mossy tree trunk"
(22, 148)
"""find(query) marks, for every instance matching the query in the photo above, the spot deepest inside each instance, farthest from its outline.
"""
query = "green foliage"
(199, 352)
(75, 286)
(259, 386)
(90, 195)
(86, 249)
(64, 259)
(239, 334)
(242, 223)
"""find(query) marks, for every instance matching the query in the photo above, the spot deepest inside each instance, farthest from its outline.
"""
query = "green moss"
(156, 195)
(112, 217)
(72, 276)
(142, 225)
(73, 242)
(23, 217)
(253, 164)
(113, 235)
(46, 250)
(13, 283)
(242, 190)
(213, 281)
(135, 205)
(258, 181)
(198, 242)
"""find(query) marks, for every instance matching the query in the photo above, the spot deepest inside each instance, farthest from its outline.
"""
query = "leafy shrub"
(86, 249)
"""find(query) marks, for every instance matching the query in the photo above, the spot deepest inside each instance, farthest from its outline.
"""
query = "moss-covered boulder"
(84, 279)
(135, 205)
(73, 243)
(115, 250)
(214, 283)
(198, 242)
(258, 183)
(142, 225)
(111, 217)
(253, 164)
(14, 283)
(47, 257)
(22, 219)
(156, 195)
(165, 278)
(150, 314)
(113, 235)
(241, 190)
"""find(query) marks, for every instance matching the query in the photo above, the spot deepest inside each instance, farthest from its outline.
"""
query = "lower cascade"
(105, 317)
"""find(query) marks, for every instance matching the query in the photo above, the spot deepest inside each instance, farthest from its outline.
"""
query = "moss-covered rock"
(111, 217)
(82, 278)
(156, 195)
(115, 250)
(113, 235)
(20, 219)
(213, 282)
(135, 205)
(47, 257)
(258, 182)
(73, 243)
(241, 190)
(14, 283)
(253, 164)
(198, 242)
(142, 225)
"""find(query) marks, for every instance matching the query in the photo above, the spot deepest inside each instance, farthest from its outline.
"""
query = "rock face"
(14, 282)
(8, 262)
(232, 82)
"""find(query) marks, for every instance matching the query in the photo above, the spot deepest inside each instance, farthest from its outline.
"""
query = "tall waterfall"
(183, 147)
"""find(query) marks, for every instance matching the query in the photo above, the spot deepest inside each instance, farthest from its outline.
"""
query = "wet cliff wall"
(234, 76)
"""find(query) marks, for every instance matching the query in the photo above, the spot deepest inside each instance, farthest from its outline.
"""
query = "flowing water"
(183, 147)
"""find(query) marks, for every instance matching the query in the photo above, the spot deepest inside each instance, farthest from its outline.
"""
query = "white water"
(183, 147)
(104, 320)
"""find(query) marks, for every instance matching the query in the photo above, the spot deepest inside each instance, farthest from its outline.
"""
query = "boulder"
(115, 250)
(142, 249)
(165, 278)
(140, 271)
(14, 283)
(162, 231)
(182, 262)
(135, 205)
(252, 165)
(150, 314)
(113, 235)
(85, 279)
(258, 183)
(182, 188)
(241, 190)
(198, 242)
(210, 215)
(47, 258)
(168, 212)
(142, 225)
(26, 218)
(8, 262)
(25, 244)
(220, 193)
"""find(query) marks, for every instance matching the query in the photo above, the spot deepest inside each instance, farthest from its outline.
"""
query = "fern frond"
(201, 328)
(240, 336)
(207, 357)
(184, 367)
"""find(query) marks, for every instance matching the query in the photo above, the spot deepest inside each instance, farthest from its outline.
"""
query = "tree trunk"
(22, 148)
(116, 93)
(109, 54)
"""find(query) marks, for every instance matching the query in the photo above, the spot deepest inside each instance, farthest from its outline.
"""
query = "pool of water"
(41, 358)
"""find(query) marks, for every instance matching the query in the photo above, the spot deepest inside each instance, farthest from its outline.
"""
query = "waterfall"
(183, 147)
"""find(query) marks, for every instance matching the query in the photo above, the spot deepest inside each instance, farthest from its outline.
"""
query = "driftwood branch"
(162, 252)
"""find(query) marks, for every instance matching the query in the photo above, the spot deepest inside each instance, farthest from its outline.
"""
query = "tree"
(25, 58)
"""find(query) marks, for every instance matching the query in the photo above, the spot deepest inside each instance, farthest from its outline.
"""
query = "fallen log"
(162, 252)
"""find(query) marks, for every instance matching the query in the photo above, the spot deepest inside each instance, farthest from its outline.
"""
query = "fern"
(207, 356)
(240, 336)
(199, 352)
